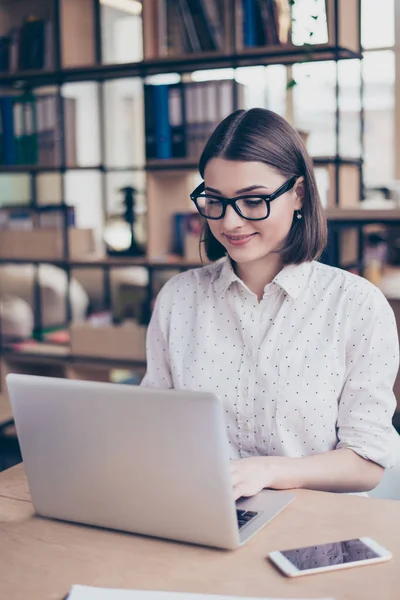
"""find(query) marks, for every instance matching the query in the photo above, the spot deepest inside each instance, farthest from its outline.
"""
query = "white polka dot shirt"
(308, 369)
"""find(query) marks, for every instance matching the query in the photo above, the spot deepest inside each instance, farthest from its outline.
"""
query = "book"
(163, 139)
(19, 131)
(283, 20)
(149, 117)
(7, 118)
(179, 118)
(202, 26)
(32, 44)
(192, 41)
(14, 34)
(177, 121)
(176, 41)
(5, 53)
(249, 23)
(214, 22)
(30, 146)
(272, 32)
(70, 141)
(48, 130)
(2, 157)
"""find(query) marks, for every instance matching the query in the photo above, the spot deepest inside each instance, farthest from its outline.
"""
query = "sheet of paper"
(83, 592)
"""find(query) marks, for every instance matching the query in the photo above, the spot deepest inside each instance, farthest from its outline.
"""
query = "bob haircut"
(260, 135)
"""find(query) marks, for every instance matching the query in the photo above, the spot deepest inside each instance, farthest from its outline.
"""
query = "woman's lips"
(239, 240)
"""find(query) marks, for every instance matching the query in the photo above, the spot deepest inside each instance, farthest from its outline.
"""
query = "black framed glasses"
(252, 207)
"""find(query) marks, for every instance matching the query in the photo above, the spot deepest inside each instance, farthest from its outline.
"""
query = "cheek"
(280, 221)
(215, 229)
(276, 227)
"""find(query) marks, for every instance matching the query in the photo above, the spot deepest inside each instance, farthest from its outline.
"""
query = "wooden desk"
(40, 559)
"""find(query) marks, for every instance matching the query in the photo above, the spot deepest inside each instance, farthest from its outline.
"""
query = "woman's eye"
(253, 202)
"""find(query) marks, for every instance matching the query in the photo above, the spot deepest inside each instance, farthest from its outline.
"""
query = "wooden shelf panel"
(362, 215)
(177, 164)
(108, 262)
(268, 55)
(190, 163)
(53, 357)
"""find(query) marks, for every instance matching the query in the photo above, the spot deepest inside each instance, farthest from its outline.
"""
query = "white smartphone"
(328, 557)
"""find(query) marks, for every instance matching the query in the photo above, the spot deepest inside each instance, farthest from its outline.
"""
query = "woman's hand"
(340, 470)
(251, 475)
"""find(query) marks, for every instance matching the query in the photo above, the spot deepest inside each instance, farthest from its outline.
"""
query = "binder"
(15, 34)
(32, 45)
(5, 48)
(6, 104)
(2, 157)
(177, 121)
(30, 140)
(162, 124)
(249, 23)
(70, 143)
(19, 131)
(149, 116)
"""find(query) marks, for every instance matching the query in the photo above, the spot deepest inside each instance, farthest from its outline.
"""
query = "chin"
(245, 257)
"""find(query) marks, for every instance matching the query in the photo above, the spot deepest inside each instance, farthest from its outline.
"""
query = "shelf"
(156, 165)
(283, 54)
(56, 358)
(11, 169)
(168, 164)
(107, 262)
(163, 164)
(16, 169)
(362, 216)
(321, 161)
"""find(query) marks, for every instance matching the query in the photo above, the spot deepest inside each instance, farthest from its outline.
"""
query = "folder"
(6, 106)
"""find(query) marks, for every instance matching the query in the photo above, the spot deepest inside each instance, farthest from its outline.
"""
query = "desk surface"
(40, 559)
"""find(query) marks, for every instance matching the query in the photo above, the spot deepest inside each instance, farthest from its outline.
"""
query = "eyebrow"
(242, 191)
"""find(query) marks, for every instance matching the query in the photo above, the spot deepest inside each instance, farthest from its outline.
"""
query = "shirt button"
(246, 427)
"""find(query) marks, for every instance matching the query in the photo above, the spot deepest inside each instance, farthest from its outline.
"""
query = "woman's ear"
(299, 191)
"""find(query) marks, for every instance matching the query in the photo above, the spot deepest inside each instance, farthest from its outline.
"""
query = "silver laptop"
(147, 461)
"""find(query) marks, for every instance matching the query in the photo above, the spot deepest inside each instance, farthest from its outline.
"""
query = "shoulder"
(347, 289)
(190, 282)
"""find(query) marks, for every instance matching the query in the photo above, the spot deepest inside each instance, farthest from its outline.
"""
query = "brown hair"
(263, 136)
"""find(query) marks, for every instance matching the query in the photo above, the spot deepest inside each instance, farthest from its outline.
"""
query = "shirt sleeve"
(158, 373)
(367, 402)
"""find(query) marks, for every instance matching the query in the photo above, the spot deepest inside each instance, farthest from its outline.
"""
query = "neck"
(257, 274)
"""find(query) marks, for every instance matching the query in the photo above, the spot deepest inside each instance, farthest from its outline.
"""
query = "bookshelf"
(97, 63)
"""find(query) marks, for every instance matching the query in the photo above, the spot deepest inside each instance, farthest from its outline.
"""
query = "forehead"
(229, 176)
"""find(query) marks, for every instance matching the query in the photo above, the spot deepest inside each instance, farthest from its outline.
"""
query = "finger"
(240, 491)
(237, 479)
(234, 465)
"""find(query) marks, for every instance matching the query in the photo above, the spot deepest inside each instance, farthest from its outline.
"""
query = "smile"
(239, 240)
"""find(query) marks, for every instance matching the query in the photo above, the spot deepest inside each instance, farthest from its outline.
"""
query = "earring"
(298, 214)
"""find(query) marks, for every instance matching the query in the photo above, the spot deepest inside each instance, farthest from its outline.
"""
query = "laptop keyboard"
(244, 516)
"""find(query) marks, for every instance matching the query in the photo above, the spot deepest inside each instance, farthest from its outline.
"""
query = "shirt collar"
(293, 279)
(225, 275)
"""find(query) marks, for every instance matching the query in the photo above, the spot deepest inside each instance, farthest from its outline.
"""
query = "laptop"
(143, 460)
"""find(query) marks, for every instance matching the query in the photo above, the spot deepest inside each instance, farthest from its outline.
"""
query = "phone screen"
(325, 555)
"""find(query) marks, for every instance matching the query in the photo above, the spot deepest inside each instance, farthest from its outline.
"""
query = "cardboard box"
(46, 244)
(126, 341)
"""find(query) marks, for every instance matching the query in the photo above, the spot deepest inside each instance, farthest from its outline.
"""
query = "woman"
(303, 355)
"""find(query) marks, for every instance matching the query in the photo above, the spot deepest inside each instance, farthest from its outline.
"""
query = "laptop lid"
(143, 460)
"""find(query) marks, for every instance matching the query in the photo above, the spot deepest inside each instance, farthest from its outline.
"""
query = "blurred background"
(105, 106)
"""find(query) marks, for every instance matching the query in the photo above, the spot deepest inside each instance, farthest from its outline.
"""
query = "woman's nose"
(231, 219)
